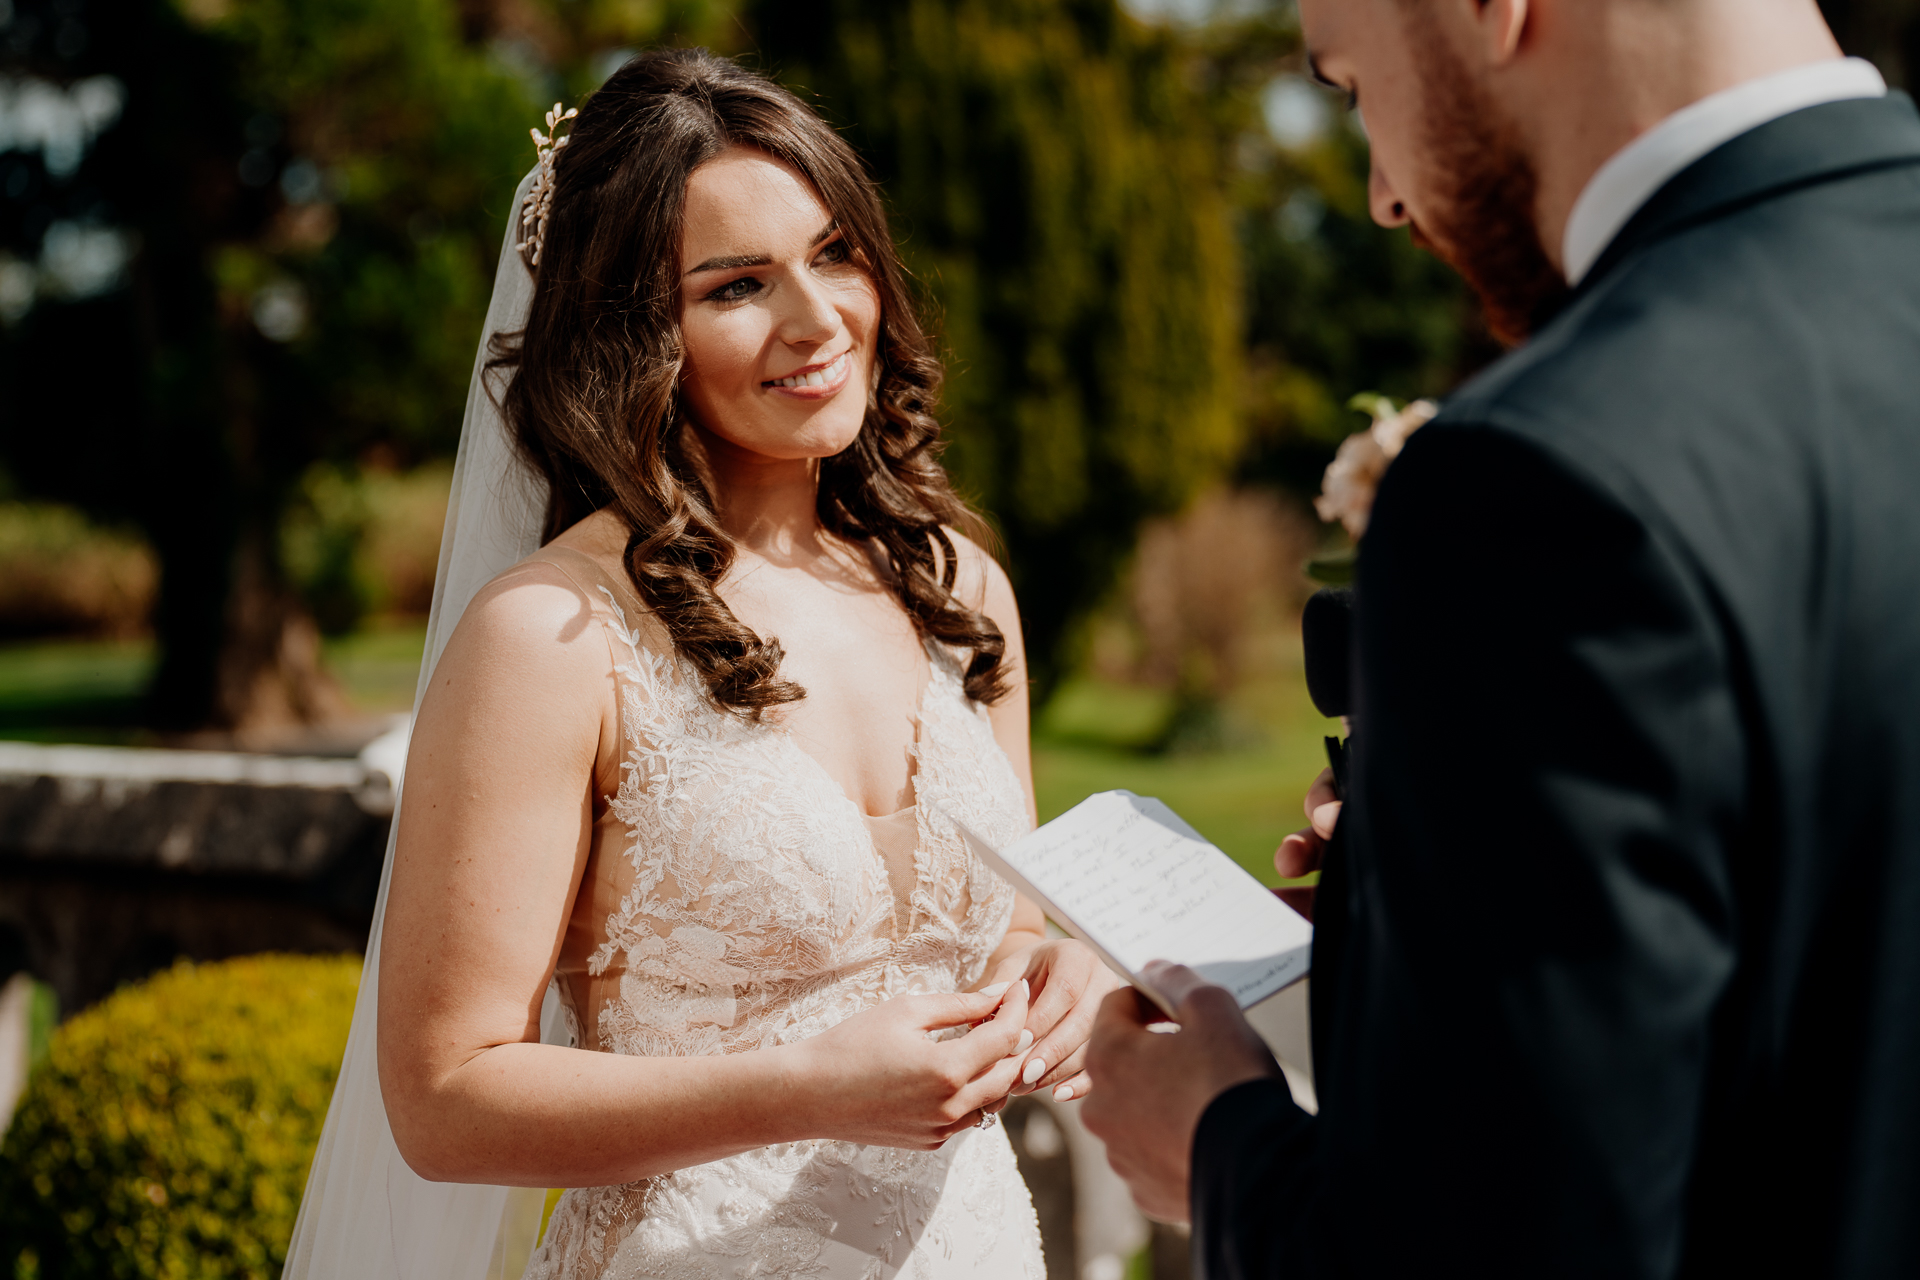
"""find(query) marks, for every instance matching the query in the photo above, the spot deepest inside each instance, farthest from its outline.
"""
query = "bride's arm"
(495, 826)
(1069, 980)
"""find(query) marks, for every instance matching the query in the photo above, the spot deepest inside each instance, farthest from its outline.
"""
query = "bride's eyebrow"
(758, 259)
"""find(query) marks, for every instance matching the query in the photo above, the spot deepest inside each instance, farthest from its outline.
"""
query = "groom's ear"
(1504, 25)
(1486, 34)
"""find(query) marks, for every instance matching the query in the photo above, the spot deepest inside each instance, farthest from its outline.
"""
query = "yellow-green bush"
(360, 541)
(62, 574)
(169, 1130)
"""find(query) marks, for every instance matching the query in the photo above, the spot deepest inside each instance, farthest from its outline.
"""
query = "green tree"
(1058, 185)
(1336, 305)
(316, 189)
(572, 46)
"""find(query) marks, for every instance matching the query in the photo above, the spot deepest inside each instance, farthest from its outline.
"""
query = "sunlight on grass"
(380, 664)
(91, 690)
(74, 669)
(1244, 800)
(1096, 713)
(74, 690)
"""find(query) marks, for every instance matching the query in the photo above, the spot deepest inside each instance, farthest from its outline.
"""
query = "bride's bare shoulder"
(531, 623)
(544, 612)
(602, 539)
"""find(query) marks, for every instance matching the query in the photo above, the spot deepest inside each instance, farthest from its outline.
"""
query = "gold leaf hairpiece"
(539, 203)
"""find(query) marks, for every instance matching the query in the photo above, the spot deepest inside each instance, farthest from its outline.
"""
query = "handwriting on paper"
(1125, 873)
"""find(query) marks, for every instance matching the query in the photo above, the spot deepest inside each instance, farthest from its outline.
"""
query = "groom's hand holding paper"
(1150, 1090)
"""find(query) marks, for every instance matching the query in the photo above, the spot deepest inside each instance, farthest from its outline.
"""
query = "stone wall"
(116, 861)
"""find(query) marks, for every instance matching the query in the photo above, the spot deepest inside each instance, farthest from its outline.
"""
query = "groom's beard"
(1481, 223)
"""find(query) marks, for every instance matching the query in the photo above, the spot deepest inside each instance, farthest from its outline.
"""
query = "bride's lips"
(814, 381)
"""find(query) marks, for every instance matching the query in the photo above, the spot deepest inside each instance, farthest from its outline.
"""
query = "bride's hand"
(1069, 981)
(878, 1078)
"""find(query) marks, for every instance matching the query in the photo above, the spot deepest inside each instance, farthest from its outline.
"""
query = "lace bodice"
(735, 898)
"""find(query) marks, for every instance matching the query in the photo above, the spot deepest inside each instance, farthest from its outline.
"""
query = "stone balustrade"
(114, 861)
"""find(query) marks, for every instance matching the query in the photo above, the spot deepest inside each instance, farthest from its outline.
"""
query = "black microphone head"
(1326, 629)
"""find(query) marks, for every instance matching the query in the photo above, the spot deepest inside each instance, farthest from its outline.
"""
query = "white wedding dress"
(735, 899)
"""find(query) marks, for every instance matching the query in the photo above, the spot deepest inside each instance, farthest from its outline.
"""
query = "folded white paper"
(1126, 876)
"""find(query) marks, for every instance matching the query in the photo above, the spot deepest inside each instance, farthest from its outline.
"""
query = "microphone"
(1326, 633)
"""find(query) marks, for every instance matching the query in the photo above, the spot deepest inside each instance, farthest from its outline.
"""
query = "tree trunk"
(240, 654)
(269, 677)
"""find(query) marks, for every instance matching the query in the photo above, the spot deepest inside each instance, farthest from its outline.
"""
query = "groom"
(1617, 970)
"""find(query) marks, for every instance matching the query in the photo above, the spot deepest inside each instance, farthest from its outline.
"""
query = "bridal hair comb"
(539, 204)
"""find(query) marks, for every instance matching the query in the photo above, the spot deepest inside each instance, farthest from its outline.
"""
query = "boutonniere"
(1353, 477)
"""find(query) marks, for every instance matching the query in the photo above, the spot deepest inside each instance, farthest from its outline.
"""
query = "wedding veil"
(366, 1215)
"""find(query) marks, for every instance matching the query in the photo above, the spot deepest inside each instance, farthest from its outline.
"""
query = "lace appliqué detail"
(752, 910)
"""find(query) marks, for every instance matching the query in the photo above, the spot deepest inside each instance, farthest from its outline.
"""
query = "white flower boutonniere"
(1353, 477)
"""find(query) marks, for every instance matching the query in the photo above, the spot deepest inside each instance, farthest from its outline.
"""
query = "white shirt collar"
(1630, 178)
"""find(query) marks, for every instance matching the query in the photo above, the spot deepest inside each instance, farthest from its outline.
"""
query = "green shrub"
(62, 574)
(364, 540)
(169, 1130)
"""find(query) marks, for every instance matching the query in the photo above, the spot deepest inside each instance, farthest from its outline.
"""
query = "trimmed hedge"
(169, 1130)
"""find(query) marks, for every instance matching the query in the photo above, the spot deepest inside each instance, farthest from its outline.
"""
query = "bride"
(790, 1004)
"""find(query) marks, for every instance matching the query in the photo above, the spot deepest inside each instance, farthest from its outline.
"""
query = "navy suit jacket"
(1617, 970)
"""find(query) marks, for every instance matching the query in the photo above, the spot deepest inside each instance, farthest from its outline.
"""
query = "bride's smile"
(815, 381)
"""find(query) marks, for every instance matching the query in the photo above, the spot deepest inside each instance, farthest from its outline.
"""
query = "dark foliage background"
(258, 274)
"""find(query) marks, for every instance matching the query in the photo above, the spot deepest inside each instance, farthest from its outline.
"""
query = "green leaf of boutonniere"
(1334, 572)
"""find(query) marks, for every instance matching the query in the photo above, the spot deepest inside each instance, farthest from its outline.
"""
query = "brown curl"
(594, 399)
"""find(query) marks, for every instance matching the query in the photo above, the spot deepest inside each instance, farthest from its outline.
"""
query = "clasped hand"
(1068, 982)
(883, 1078)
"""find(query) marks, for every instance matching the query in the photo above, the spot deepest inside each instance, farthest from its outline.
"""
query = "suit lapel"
(1818, 144)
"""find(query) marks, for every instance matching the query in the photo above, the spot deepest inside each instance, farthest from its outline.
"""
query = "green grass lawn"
(380, 665)
(74, 690)
(1243, 798)
(90, 690)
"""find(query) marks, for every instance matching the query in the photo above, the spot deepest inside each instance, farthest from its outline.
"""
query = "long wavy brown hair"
(594, 398)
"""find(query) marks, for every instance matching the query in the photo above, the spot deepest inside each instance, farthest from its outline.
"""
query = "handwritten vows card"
(1126, 876)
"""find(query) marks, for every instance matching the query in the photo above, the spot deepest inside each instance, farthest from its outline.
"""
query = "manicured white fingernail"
(995, 989)
(1026, 1039)
(1063, 1094)
(1035, 1068)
